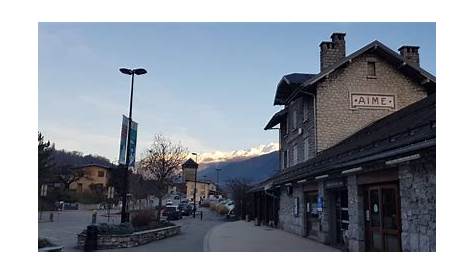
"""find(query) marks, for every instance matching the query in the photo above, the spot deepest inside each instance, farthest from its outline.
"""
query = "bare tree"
(161, 163)
(141, 189)
(67, 175)
(238, 189)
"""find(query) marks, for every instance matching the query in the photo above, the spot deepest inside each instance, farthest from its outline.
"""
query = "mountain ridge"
(255, 169)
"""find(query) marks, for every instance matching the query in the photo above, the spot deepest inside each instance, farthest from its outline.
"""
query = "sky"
(209, 86)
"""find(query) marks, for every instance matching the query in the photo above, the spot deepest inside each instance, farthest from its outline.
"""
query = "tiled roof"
(96, 165)
(283, 93)
(189, 164)
(288, 84)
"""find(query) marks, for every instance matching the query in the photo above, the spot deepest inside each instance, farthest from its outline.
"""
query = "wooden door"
(382, 216)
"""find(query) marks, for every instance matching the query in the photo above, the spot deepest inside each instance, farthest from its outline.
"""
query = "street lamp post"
(124, 216)
(195, 185)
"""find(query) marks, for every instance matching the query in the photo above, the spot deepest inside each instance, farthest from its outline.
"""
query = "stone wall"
(356, 227)
(418, 204)
(294, 137)
(287, 221)
(336, 120)
(129, 240)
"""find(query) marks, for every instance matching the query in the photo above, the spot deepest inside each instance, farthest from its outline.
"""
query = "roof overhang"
(276, 119)
(288, 84)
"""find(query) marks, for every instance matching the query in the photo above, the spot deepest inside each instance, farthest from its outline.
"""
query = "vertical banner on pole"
(133, 143)
(123, 141)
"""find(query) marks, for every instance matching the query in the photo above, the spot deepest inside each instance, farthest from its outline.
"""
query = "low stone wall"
(129, 240)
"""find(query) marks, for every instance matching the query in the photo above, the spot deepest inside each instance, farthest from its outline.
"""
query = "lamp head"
(126, 71)
(139, 71)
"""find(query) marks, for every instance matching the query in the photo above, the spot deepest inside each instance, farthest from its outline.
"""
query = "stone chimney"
(332, 51)
(410, 55)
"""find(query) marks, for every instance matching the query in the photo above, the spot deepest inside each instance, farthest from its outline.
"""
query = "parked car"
(185, 209)
(172, 213)
(204, 203)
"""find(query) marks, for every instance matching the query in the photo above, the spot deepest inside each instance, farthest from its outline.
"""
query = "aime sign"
(374, 101)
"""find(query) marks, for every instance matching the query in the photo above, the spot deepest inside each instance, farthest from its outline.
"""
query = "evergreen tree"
(45, 161)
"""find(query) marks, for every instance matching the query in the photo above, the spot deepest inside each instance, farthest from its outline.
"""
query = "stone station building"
(357, 152)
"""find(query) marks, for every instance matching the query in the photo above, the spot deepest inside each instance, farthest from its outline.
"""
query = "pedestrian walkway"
(245, 236)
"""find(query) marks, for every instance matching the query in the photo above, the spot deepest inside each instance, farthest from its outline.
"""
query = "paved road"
(68, 224)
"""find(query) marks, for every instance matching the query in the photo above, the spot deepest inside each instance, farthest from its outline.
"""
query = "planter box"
(129, 240)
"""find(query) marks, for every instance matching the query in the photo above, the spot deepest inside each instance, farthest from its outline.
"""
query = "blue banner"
(123, 141)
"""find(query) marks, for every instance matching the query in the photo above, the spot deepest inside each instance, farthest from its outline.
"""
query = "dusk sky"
(209, 85)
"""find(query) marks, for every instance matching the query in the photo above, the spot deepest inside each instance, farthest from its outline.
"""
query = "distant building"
(177, 188)
(203, 188)
(357, 151)
(95, 178)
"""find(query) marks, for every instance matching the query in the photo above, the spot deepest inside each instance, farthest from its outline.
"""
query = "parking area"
(67, 224)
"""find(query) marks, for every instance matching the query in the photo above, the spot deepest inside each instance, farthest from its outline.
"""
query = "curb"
(205, 242)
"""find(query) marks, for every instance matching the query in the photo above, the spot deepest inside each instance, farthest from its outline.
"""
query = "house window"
(295, 154)
(371, 69)
(305, 110)
(285, 126)
(294, 119)
(306, 149)
(285, 159)
(100, 173)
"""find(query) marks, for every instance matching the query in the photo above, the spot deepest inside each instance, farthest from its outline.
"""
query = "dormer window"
(305, 110)
(371, 73)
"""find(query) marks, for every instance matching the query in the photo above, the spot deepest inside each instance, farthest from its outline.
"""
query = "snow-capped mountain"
(236, 155)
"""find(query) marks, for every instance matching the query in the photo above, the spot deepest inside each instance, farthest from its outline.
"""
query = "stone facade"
(356, 229)
(418, 204)
(336, 120)
(287, 220)
(295, 136)
(129, 240)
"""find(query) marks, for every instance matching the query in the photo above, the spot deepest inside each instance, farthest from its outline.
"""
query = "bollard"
(94, 217)
(91, 238)
(51, 217)
(201, 215)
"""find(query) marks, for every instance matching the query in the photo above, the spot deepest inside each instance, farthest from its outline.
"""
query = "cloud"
(75, 139)
(220, 156)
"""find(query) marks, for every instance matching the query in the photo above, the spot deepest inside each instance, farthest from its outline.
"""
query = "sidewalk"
(245, 236)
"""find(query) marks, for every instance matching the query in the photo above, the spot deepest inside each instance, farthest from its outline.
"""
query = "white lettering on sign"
(359, 100)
